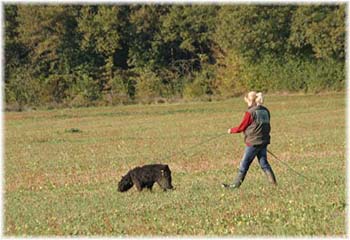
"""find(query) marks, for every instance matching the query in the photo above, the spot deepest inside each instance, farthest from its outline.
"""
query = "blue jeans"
(250, 153)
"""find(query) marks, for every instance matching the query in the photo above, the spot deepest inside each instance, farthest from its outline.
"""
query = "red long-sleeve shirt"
(247, 120)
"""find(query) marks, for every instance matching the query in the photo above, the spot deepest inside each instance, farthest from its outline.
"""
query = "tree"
(82, 55)
(321, 29)
(104, 40)
(144, 32)
(255, 30)
(186, 34)
(102, 31)
(15, 51)
(49, 32)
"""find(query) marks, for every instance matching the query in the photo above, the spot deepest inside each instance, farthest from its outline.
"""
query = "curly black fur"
(145, 177)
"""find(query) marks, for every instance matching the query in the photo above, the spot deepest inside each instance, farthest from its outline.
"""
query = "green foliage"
(144, 38)
(189, 27)
(83, 88)
(255, 31)
(202, 84)
(321, 77)
(295, 75)
(15, 51)
(271, 75)
(58, 86)
(229, 75)
(102, 35)
(50, 34)
(23, 89)
(99, 26)
(187, 35)
(88, 87)
(321, 28)
(122, 88)
(148, 85)
(104, 54)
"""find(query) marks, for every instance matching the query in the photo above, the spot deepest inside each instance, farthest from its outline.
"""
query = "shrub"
(203, 84)
(295, 75)
(229, 80)
(119, 88)
(22, 88)
(148, 85)
(325, 75)
(84, 89)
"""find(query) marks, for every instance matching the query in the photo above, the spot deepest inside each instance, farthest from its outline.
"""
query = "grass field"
(61, 182)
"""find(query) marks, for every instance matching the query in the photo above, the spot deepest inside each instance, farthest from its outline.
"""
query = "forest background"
(98, 55)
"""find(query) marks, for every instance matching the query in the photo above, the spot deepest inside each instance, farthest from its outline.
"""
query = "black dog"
(146, 176)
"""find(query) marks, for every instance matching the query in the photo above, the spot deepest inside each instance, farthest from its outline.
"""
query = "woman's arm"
(247, 120)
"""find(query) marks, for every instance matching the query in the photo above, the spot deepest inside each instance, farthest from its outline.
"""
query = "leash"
(289, 167)
(217, 136)
(191, 147)
(161, 158)
(220, 135)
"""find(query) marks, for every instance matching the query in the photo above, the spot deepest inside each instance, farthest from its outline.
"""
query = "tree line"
(81, 55)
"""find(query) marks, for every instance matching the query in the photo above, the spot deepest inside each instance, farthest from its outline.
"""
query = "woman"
(256, 128)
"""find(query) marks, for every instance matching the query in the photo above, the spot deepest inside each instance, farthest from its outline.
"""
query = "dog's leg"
(136, 181)
(138, 185)
(150, 187)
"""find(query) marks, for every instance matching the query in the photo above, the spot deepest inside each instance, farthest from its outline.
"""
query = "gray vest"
(258, 133)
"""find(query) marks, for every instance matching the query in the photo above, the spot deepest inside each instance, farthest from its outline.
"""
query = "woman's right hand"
(229, 130)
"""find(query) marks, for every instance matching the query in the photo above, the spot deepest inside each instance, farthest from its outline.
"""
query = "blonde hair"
(254, 98)
(259, 99)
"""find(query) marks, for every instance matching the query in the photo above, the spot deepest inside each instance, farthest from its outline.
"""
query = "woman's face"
(248, 101)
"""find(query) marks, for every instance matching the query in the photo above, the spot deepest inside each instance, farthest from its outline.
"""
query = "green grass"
(60, 181)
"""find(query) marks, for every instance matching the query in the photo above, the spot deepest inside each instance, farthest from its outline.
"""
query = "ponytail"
(253, 98)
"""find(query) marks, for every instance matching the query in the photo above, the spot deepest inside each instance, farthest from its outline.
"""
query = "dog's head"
(125, 183)
(166, 178)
